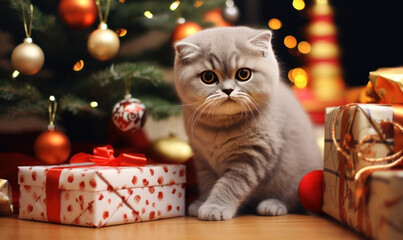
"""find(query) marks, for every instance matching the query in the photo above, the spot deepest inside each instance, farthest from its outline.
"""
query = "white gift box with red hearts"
(97, 196)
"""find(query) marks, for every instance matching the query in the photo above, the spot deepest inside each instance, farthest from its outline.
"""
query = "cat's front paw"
(271, 207)
(194, 208)
(215, 212)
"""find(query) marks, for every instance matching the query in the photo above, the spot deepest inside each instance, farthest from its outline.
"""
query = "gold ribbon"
(28, 28)
(347, 147)
(103, 17)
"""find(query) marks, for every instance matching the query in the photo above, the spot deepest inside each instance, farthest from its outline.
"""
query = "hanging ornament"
(171, 149)
(78, 14)
(103, 43)
(129, 114)
(184, 29)
(27, 57)
(215, 16)
(230, 13)
(52, 147)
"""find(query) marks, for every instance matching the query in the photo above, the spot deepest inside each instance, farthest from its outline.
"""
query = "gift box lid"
(90, 177)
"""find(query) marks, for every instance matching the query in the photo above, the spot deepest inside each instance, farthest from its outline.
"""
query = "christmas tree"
(85, 80)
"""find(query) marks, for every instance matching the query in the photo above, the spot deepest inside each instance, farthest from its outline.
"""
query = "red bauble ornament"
(184, 30)
(215, 16)
(78, 14)
(52, 147)
(310, 191)
(129, 114)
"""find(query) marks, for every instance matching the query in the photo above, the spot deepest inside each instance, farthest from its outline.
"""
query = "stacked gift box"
(363, 160)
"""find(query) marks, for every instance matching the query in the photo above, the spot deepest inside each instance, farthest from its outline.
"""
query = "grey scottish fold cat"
(252, 140)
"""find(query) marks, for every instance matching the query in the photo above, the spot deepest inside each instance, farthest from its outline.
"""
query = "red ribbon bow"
(103, 156)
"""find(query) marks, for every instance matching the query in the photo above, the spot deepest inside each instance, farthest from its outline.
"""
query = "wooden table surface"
(244, 227)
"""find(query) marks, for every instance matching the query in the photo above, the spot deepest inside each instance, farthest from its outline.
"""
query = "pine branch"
(159, 108)
(18, 92)
(135, 73)
(76, 105)
(22, 110)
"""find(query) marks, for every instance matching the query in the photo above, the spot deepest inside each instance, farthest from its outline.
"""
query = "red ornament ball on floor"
(310, 191)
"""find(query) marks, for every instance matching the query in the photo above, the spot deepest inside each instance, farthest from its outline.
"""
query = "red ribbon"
(103, 156)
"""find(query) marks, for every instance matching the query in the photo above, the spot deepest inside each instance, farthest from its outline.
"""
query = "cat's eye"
(209, 77)
(243, 74)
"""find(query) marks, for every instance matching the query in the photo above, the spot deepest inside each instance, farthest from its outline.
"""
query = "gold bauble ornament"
(27, 57)
(52, 147)
(171, 149)
(103, 43)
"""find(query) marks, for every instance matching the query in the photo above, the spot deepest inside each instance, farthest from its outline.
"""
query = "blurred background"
(369, 32)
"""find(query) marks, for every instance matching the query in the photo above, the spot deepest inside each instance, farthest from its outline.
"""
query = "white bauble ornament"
(230, 13)
(129, 114)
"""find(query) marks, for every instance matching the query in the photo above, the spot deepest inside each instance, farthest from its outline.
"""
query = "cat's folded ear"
(186, 51)
(262, 42)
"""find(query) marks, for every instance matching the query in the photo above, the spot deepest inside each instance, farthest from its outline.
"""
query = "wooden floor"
(244, 227)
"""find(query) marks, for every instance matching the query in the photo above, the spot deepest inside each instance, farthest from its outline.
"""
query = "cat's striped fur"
(252, 140)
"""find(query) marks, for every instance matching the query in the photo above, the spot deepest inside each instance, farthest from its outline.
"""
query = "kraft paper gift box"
(359, 188)
(97, 195)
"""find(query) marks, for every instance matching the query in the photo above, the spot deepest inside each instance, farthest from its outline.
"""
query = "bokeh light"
(275, 24)
(94, 104)
(298, 4)
(78, 65)
(299, 77)
(15, 74)
(148, 14)
(198, 3)
(174, 5)
(290, 41)
(121, 32)
(304, 47)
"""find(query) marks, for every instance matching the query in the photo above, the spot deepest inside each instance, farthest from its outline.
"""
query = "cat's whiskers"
(209, 102)
(200, 103)
(244, 110)
(215, 98)
(245, 100)
(253, 107)
(259, 110)
(193, 119)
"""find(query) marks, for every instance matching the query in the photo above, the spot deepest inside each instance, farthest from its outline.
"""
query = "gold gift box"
(358, 192)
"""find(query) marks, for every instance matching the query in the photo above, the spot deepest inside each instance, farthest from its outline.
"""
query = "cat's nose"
(228, 91)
